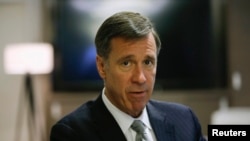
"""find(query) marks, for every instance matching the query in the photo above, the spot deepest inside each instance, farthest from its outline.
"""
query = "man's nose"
(139, 75)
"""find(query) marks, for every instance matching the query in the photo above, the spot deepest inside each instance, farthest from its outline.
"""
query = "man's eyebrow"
(125, 58)
(151, 57)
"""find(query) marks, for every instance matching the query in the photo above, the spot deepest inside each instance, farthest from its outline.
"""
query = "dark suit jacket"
(93, 122)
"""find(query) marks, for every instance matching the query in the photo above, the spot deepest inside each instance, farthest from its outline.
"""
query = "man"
(127, 49)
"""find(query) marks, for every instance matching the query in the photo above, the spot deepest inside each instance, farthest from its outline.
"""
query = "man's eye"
(126, 63)
(148, 62)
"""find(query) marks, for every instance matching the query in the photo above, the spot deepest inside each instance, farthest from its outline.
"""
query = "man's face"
(129, 73)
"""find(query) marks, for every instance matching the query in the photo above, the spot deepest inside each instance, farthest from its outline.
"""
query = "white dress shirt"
(124, 120)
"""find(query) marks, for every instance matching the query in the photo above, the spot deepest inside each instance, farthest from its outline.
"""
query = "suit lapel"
(105, 123)
(164, 131)
(108, 129)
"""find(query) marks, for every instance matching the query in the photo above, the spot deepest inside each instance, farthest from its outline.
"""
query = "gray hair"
(128, 25)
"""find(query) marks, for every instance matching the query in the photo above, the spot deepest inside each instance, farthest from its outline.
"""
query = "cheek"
(117, 79)
(151, 75)
(120, 81)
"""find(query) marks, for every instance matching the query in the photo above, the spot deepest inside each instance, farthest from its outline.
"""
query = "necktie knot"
(139, 128)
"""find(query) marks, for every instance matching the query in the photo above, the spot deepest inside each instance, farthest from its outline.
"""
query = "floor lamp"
(28, 59)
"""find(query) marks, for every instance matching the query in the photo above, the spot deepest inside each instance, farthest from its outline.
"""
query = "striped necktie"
(139, 128)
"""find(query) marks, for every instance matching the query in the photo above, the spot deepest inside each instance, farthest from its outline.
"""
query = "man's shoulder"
(173, 111)
(168, 107)
(78, 115)
(77, 124)
(165, 104)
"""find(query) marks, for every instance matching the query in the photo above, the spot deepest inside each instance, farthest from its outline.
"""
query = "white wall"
(20, 21)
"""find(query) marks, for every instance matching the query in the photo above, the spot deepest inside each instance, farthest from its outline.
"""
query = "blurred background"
(204, 62)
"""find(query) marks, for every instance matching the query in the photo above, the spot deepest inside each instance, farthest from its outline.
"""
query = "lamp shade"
(32, 58)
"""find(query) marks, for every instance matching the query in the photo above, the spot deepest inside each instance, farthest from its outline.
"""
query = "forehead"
(121, 44)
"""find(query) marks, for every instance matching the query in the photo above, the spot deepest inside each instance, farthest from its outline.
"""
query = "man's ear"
(100, 66)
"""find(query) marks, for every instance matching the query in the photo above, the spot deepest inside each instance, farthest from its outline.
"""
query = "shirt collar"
(124, 120)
